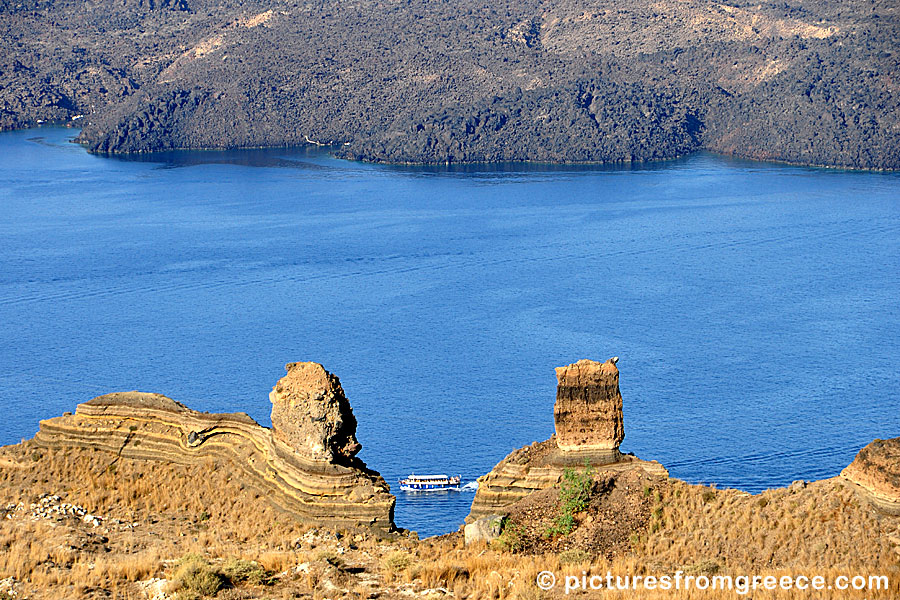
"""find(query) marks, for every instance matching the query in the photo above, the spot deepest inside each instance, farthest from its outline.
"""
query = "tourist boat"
(430, 483)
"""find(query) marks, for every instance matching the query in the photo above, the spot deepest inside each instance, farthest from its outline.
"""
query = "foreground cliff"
(875, 475)
(306, 464)
(589, 425)
(136, 496)
(810, 82)
(577, 498)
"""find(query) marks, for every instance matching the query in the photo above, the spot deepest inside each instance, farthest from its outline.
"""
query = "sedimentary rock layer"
(588, 409)
(537, 467)
(589, 429)
(327, 485)
(875, 474)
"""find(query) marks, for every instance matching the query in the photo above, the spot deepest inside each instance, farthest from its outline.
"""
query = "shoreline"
(331, 149)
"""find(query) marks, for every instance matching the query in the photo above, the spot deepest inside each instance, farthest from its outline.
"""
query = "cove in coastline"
(754, 306)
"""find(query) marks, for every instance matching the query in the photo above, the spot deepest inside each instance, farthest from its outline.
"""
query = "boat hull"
(428, 488)
(430, 483)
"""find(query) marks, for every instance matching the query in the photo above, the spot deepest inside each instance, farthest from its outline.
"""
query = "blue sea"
(755, 307)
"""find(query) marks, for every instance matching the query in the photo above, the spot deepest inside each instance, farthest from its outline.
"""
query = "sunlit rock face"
(588, 409)
(306, 464)
(875, 474)
(589, 429)
(311, 414)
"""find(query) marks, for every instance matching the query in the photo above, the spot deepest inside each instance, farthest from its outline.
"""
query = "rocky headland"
(578, 497)
(305, 465)
(136, 496)
(875, 474)
(810, 82)
(589, 424)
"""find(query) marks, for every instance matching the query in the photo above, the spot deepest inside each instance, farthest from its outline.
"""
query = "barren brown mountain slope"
(573, 81)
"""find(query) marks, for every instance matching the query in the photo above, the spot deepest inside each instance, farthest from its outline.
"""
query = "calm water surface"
(754, 306)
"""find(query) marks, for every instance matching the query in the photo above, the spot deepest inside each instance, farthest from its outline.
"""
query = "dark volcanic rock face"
(573, 81)
(586, 121)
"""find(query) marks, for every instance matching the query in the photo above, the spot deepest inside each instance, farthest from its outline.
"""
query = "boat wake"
(472, 486)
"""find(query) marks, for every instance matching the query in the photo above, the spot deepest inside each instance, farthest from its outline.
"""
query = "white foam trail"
(470, 487)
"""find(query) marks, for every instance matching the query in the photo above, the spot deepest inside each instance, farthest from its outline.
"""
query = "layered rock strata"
(875, 475)
(588, 410)
(589, 428)
(305, 464)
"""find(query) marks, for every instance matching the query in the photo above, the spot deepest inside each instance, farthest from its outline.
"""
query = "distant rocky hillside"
(810, 82)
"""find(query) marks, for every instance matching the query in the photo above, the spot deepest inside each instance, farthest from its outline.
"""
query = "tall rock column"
(588, 409)
(589, 428)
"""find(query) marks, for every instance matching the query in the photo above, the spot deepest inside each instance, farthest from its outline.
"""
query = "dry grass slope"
(157, 518)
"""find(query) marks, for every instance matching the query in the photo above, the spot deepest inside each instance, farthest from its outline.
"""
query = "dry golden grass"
(820, 530)
(205, 502)
(486, 573)
(823, 525)
(177, 510)
(41, 555)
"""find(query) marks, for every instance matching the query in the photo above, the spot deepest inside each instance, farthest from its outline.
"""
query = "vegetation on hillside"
(574, 81)
(195, 531)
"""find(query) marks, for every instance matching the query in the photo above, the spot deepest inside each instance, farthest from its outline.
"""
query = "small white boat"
(430, 483)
